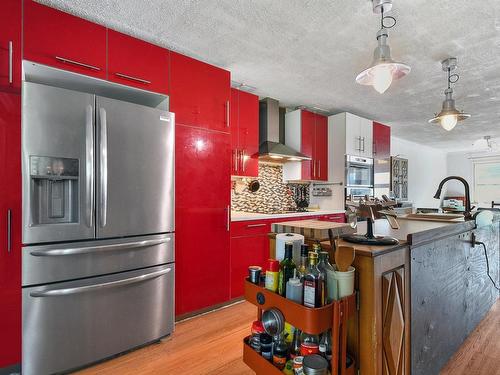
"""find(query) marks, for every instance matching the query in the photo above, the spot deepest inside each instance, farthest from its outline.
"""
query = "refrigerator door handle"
(98, 249)
(103, 168)
(90, 288)
(89, 165)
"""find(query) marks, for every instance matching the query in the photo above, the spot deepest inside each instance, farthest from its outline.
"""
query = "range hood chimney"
(271, 149)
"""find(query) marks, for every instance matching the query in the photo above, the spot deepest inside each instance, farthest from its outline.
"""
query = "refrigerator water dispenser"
(54, 190)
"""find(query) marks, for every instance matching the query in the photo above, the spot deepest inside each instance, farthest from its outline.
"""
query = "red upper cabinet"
(244, 133)
(199, 93)
(308, 132)
(134, 62)
(321, 148)
(381, 141)
(58, 39)
(10, 242)
(10, 45)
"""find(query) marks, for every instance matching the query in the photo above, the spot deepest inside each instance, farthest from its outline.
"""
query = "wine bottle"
(287, 266)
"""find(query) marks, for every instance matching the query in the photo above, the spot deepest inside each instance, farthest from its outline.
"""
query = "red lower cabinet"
(246, 251)
(10, 243)
(201, 219)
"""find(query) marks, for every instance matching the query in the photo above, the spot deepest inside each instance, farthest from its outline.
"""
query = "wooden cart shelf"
(314, 321)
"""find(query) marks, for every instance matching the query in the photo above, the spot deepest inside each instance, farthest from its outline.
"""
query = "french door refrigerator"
(98, 227)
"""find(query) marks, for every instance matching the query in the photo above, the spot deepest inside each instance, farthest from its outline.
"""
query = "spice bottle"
(328, 273)
(280, 352)
(272, 275)
(266, 346)
(287, 266)
(257, 329)
(313, 288)
(294, 289)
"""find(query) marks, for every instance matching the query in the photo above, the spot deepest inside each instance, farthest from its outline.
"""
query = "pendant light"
(383, 69)
(449, 115)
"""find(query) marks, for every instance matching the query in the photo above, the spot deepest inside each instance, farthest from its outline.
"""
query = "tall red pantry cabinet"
(198, 92)
(10, 185)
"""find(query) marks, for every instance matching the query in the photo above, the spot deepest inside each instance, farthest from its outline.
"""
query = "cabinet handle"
(228, 224)
(363, 144)
(9, 230)
(314, 167)
(319, 168)
(228, 114)
(11, 50)
(135, 79)
(235, 161)
(82, 65)
(243, 154)
(255, 225)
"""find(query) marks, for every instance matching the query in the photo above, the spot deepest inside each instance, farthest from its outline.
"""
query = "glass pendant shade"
(449, 115)
(383, 69)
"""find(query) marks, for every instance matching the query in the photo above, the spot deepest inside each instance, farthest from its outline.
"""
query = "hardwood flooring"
(211, 345)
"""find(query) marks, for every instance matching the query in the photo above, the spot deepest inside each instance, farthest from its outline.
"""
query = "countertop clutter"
(244, 216)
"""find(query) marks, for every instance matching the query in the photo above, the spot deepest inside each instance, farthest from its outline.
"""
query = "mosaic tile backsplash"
(274, 195)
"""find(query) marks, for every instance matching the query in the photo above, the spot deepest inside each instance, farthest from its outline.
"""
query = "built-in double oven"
(359, 176)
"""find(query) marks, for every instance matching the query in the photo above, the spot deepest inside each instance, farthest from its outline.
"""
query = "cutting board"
(312, 229)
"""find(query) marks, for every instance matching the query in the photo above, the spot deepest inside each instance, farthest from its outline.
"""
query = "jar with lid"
(256, 330)
(315, 365)
(266, 346)
(272, 275)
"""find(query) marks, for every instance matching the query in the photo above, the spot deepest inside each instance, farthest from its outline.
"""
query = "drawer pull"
(11, 49)
(9, 230)
(97, 249)
(135, 79)
(255, 225)
(68, 61)
(90, 288)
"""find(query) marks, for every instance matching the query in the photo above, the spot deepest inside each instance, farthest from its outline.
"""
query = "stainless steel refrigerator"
(98, 227)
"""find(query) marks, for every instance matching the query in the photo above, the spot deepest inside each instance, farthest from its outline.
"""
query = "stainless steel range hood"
(271, 149)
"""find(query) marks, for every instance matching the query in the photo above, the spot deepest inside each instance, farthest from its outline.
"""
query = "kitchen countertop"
(246, 216)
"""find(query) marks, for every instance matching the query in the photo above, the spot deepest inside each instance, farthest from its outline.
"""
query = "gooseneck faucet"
(468, 208)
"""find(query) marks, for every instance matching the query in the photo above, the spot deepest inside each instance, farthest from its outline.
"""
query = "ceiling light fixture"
(383, 69)
(449, 115)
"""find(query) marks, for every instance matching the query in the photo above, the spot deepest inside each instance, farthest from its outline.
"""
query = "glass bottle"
(295, 346)
(280, 352)
(304, 250)
(313, 291)
(316, 247)
(287, 266)
(325, 346)
(328, 272)
(309, 344)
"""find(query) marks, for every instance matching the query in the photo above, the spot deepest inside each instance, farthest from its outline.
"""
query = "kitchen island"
(420, 299)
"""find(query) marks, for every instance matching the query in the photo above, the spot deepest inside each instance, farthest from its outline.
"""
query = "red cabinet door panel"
(199, 93)
(133, 62)
(201, 214)
(307, 146)
(381, 141)
(245, 252)
(321, 148)
(10, 200)
(235, 140)
(58, 39)
(10, 45)
(248, 129)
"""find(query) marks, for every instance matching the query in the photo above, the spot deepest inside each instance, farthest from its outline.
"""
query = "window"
(487, 181)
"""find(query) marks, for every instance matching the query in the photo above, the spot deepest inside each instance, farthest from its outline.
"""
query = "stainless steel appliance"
(98, 227)
(359, 176)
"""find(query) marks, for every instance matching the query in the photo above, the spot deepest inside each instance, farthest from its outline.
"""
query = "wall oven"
(359, 176)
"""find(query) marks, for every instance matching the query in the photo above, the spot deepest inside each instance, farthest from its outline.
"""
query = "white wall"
(427, 166)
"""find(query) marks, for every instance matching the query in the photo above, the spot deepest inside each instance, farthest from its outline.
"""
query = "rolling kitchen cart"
(333, 316)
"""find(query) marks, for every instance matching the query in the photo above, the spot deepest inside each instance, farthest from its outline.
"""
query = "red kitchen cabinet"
(134, 62)
(58, 39)
(10, 46)
(244, 133)
(321, 147)
(10, 229)
(202, 218)
(381, 141)
(308, 132)
(245, 252)
(199, 93)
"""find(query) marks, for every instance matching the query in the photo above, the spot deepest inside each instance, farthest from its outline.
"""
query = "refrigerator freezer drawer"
(68, 325)
(69, 261)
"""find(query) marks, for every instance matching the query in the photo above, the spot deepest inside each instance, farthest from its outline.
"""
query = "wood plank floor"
(211, 345)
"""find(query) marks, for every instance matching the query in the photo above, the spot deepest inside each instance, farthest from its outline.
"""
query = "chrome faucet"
(468, 208)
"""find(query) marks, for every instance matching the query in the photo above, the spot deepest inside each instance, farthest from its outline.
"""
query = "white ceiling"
(308, 52)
